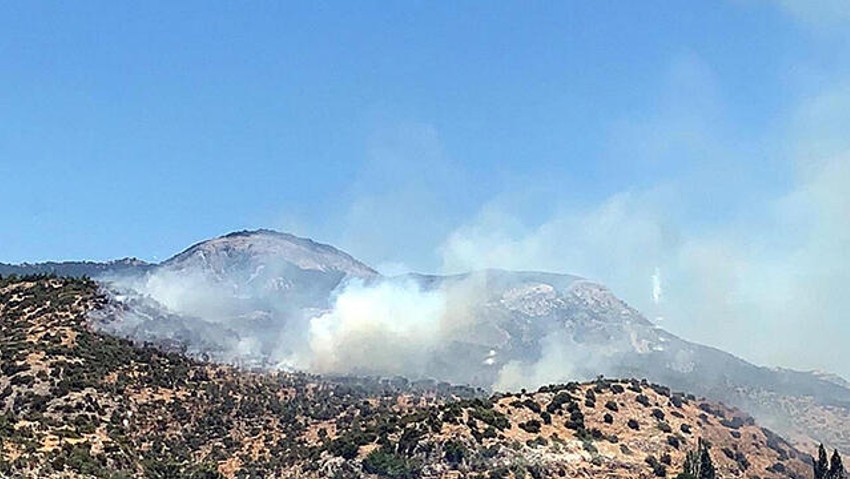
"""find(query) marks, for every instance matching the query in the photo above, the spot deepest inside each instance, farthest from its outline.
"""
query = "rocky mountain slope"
(594, 332)
(250, 298)
(76, 403)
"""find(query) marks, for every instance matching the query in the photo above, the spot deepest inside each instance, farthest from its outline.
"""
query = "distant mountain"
(245, 297)
(264, 264)
(545, 324)
(78, 269)
(250, 297)
(259, 248)
(244, 256)
(833, 378)
(77, 404)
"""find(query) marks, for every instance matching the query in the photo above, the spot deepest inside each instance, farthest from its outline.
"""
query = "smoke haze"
(745, 220)
(765, 282)
(750, 233)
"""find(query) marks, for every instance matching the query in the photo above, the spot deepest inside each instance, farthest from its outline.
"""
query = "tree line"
(698, 464)
(831, 469)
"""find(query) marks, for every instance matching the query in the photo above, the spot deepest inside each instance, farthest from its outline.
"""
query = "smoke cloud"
(390, 328)
(748, 225)
(766, 283)
(378, 326)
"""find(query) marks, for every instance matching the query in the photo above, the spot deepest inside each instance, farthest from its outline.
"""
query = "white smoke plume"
(387, 326)
(657, 292)
(390, 328)
(555, 365)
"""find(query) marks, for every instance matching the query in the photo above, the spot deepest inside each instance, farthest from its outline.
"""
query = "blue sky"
(136, 129)
(600, 138)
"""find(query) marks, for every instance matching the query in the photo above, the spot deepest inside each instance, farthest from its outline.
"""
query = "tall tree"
(821, 465)
(836, 467)
(698, 464)
(707, 468)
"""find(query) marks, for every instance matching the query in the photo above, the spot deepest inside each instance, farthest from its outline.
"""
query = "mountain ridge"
(76, 268)
(76, 404)
(521, 313)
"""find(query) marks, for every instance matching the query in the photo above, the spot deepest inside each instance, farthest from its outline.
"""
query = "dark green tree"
(821, 465)
(836, 467)
(698, 464)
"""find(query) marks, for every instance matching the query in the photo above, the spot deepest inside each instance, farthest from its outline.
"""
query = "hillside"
(75, 403)
(250, 297)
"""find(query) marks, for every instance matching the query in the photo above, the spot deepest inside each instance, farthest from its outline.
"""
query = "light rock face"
(255, 264)
(255, 251)
(535, 300)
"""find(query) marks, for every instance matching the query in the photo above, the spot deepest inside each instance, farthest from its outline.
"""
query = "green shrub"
(532, 426)
(390, 465)
(454, 452)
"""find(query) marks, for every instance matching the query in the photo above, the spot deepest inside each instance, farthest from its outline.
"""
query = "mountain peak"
(268, 246)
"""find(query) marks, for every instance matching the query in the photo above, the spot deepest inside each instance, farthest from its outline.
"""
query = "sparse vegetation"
(75, 403)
